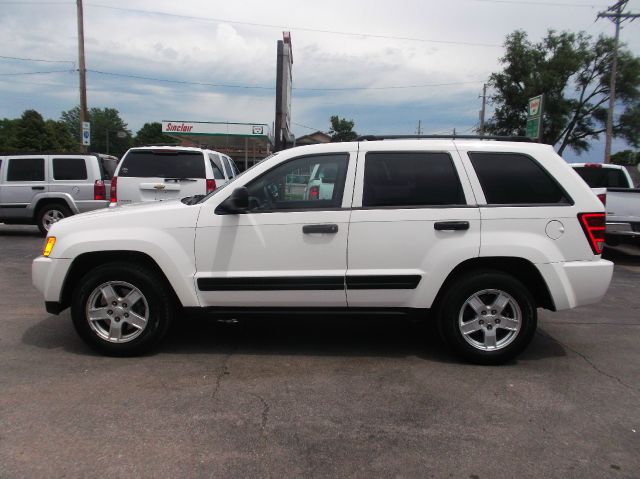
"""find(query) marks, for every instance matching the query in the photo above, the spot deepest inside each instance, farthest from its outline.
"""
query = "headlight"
(51, 240)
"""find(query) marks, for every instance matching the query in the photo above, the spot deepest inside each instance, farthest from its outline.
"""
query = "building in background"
(246, 143)
(313, 138)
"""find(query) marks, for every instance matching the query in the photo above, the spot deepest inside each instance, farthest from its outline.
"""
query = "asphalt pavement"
(308, 397)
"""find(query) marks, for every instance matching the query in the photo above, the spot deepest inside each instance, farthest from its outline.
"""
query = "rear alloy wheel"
(121, 309)
(50, 214)
(488, 317)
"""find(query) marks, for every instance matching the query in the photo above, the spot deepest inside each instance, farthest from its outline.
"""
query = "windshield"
(232, 180)
(163, 164)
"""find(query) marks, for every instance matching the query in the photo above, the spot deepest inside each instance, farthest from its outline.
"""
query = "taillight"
(603, 197)
(593, 225)
(211, 185)
(314, 193)
(98, 190)
(114, 189)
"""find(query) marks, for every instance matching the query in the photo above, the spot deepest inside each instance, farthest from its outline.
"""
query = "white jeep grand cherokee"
(478, 233)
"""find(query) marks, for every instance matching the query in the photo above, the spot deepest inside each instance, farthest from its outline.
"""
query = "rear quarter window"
(516, 179)
(163, 164)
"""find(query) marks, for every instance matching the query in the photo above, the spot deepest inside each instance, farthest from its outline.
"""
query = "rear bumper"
(577, 283)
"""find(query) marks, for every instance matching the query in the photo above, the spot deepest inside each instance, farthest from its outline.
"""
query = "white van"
(157, 173)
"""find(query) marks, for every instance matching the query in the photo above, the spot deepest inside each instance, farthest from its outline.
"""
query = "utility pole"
(83, 72)
(419, 130)
(482, 112)
(614, 13)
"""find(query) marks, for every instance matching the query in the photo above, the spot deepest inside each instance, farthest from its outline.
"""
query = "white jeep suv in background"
(159, 173)
(474, 235)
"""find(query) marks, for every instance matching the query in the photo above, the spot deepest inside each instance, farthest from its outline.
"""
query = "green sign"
(534, 117)
(533, 127)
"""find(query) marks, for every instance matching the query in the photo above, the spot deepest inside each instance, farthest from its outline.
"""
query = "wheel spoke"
(477, 304)
(131, 298)
(109, 293)
(508, 323)
(136, 320)
(97, 314)
(471, 326)
(500, 303)
(115, 330)
(490, 338)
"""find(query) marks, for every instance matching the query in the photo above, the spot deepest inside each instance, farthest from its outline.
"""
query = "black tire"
(157, 304)
(49, 214)
(476, 346)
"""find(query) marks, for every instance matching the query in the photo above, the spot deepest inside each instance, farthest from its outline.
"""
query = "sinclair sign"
(534, 117)
(214, 128)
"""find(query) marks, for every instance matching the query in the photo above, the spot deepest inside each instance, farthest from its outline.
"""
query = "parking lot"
(313, 398)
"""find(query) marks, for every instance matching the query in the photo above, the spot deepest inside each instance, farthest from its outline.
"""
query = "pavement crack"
(590, 362)
(224, 371)
(265, 410)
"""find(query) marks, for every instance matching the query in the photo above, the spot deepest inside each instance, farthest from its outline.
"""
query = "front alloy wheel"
(117, 311)
(122, 309)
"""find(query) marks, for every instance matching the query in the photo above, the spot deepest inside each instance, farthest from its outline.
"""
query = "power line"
(292, 28)
(182, 82)
(258, 87)
(37, 60)
(308, 127)
(541, 4)
(38, 73)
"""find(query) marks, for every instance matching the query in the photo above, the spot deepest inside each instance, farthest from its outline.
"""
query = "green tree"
(151, 134)
(31, 133)
(60, 136)
(342, 129)
(8, 134)
(573, 72)
(626, 157)
(105, 126)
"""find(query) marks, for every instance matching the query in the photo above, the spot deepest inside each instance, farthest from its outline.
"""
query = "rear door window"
(410, 179)
(25, 169)
(516, 179)
(69, 169)
(599, 177)
(163, 164)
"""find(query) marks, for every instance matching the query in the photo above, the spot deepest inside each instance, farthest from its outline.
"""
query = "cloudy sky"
(384, 64)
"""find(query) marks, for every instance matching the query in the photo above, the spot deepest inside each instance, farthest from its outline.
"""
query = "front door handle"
(451, 225)
(327, 228)
(37, 187)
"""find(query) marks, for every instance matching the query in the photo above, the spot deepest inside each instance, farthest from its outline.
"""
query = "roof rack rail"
(46, 152)
(452, 137)
(164, 144)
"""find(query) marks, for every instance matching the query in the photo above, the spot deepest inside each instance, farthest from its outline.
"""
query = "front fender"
(172, 249)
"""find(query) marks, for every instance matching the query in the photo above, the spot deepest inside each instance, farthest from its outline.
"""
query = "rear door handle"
(451, 225)
(327, 228)
(37, 187)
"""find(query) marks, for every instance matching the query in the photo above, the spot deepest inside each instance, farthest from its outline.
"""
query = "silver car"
(42, 189)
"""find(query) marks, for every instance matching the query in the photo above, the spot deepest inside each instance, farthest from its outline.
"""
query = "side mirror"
(237, 203)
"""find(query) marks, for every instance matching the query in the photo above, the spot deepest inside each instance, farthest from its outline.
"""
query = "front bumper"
(48, 275)
(577, 283)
